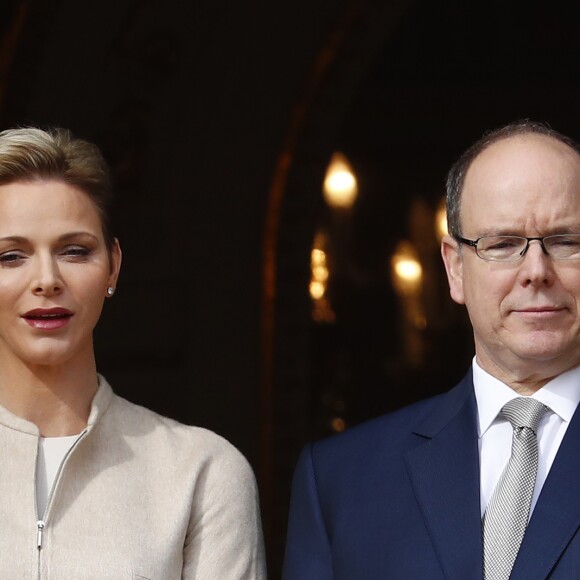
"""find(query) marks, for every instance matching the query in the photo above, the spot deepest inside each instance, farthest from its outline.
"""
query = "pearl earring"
(110, 291)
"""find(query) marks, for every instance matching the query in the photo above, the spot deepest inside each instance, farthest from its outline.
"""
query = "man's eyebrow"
(567, 229)
(497, 232)
(574, 229)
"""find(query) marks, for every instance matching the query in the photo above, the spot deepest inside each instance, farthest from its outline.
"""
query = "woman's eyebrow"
(14, 239)
(74, 235)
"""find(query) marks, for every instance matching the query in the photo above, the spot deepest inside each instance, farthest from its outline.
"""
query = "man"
(411, 495)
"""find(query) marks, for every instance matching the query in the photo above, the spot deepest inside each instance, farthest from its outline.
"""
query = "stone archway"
(294, 204)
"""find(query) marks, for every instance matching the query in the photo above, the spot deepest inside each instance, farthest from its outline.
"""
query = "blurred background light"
(340, 184)
(319, 277)
(407, 272)
(441, 220)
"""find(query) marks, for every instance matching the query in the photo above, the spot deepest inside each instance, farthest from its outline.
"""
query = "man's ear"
(453, 260)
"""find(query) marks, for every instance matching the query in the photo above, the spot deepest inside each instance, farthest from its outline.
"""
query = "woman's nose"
(47, 280)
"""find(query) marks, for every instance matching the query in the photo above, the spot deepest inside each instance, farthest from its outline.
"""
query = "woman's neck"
(56, 399)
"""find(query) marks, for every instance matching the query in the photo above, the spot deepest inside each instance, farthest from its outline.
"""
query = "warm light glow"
(340, 185)
(318, 257)
(319, 275)
(406, 268)
(317, 290)
(338, 424)
(441, 221)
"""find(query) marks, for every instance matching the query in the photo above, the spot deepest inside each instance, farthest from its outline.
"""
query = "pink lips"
(47, 318)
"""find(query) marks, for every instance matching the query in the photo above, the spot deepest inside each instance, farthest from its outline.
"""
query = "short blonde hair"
(31, 153)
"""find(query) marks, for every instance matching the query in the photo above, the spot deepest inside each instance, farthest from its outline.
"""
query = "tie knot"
(524, 412)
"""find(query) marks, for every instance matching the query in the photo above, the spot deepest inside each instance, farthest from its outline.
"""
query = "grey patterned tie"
(506, 517)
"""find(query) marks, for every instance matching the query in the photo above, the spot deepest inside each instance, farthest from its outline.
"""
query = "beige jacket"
(138, 496)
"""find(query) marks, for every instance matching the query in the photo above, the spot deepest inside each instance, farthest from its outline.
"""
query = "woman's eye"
(76, 252)
(10, 259)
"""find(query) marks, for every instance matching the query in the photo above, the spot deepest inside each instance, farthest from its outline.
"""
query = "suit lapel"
(444, 471)
(556, 517)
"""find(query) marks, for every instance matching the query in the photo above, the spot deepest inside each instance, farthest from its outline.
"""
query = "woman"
(92, 486)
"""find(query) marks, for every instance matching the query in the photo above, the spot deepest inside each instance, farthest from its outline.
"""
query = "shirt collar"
(561, 394)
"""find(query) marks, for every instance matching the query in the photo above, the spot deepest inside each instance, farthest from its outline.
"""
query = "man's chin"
(547, 358)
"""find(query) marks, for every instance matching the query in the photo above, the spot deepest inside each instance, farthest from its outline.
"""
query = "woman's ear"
(453, 260)
(115, 266)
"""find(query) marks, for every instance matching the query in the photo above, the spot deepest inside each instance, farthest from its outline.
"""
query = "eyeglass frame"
(473, 244)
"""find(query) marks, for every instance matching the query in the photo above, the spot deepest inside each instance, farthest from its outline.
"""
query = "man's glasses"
(513, 248)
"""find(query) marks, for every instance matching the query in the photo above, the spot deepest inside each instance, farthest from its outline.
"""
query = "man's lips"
(539, 311)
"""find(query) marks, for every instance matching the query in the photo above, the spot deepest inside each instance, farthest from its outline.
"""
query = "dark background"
(219, 120)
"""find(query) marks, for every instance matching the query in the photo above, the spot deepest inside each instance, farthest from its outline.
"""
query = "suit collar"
(450, 405)
(556, 517)
(444, 471)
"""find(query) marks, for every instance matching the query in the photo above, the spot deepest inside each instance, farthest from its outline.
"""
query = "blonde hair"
(30, 154)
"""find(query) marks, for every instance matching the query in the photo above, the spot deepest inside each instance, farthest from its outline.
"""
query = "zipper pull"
(40, 527)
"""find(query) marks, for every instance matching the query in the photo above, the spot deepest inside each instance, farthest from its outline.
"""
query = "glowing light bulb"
(340, 184)
(406, 269)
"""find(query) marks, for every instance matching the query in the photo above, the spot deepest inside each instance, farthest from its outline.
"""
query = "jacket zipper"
(41, 524)
(40, 527)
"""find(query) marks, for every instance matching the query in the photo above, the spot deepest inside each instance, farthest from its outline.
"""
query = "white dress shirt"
(561, 395)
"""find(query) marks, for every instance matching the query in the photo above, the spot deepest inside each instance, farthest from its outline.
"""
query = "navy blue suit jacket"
(398, 498)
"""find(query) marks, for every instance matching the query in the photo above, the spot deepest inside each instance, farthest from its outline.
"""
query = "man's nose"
(539, 242)
(536, 266)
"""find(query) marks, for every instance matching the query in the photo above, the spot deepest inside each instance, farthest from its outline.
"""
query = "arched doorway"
(403, 93)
